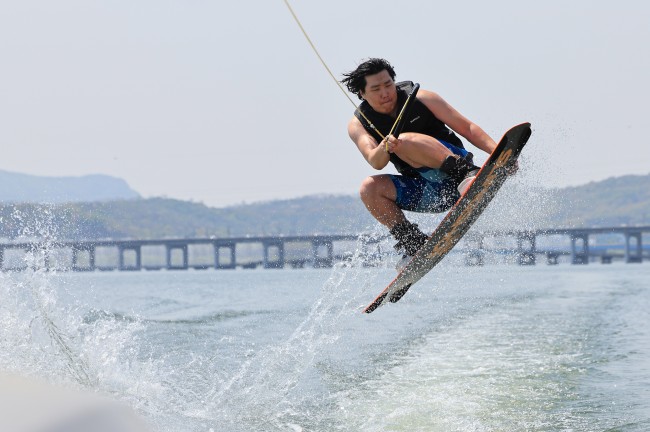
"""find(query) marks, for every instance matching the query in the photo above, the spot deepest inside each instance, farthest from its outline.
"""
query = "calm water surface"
(495, 348)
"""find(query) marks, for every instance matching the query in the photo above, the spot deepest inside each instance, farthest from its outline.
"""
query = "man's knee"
(368, 186)
(373, 187)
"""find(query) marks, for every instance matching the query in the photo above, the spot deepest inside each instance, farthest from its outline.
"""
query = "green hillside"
(612, 202)
(161, 217)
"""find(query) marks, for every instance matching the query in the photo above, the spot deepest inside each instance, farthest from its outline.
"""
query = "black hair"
(355, 80)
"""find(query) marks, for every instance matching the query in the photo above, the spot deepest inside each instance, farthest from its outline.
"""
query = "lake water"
(493, 348)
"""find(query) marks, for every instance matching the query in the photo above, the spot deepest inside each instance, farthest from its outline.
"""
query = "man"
(433, 165)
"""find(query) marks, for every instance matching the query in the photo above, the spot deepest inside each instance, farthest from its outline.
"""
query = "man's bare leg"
(378, 193)
(420, 150)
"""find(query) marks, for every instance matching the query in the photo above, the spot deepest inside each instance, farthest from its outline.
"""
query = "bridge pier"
(76, 250)
(268, 247)
(370, 252)
(322, 262)
(122, 249)
(230, 247)
(526, 248)
(44, 252)
(580, 255)
(475, 255)
(637, 255)
(170, 248)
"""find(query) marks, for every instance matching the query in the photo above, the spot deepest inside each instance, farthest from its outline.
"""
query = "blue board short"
(432, 191)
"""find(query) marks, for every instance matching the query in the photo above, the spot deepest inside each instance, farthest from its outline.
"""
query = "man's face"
(380, 92)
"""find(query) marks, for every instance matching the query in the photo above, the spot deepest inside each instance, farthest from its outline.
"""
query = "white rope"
(313, 47)
(329, 71)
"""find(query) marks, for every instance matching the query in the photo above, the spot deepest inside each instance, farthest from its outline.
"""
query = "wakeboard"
(461, 216)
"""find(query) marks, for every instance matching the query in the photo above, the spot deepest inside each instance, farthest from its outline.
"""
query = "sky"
(226, 103)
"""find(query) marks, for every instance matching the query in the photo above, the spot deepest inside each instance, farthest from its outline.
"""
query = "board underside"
(461, 216)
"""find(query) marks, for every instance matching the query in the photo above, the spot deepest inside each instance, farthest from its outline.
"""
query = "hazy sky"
(224, 102)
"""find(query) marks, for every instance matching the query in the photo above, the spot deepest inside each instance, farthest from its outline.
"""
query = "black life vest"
(420, 119)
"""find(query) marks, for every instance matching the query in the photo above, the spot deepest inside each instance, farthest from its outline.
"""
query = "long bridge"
(624, 242)
(578, 244)
(218, 253)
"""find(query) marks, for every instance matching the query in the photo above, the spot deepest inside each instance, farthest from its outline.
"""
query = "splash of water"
(44, 337)
(271, 388)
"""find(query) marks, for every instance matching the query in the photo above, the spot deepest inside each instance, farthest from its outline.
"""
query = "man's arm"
(372, 151)
(456, 121)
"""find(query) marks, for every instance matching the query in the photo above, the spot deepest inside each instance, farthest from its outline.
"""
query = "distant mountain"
(612, 202)
(25, 188)
(616, 201)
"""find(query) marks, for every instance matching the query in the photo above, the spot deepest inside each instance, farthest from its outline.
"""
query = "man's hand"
(391, 144)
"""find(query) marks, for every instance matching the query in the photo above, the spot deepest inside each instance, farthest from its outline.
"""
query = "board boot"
(461, 169)
(409, 240)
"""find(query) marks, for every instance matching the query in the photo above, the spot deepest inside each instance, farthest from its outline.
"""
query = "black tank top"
(420, 119)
